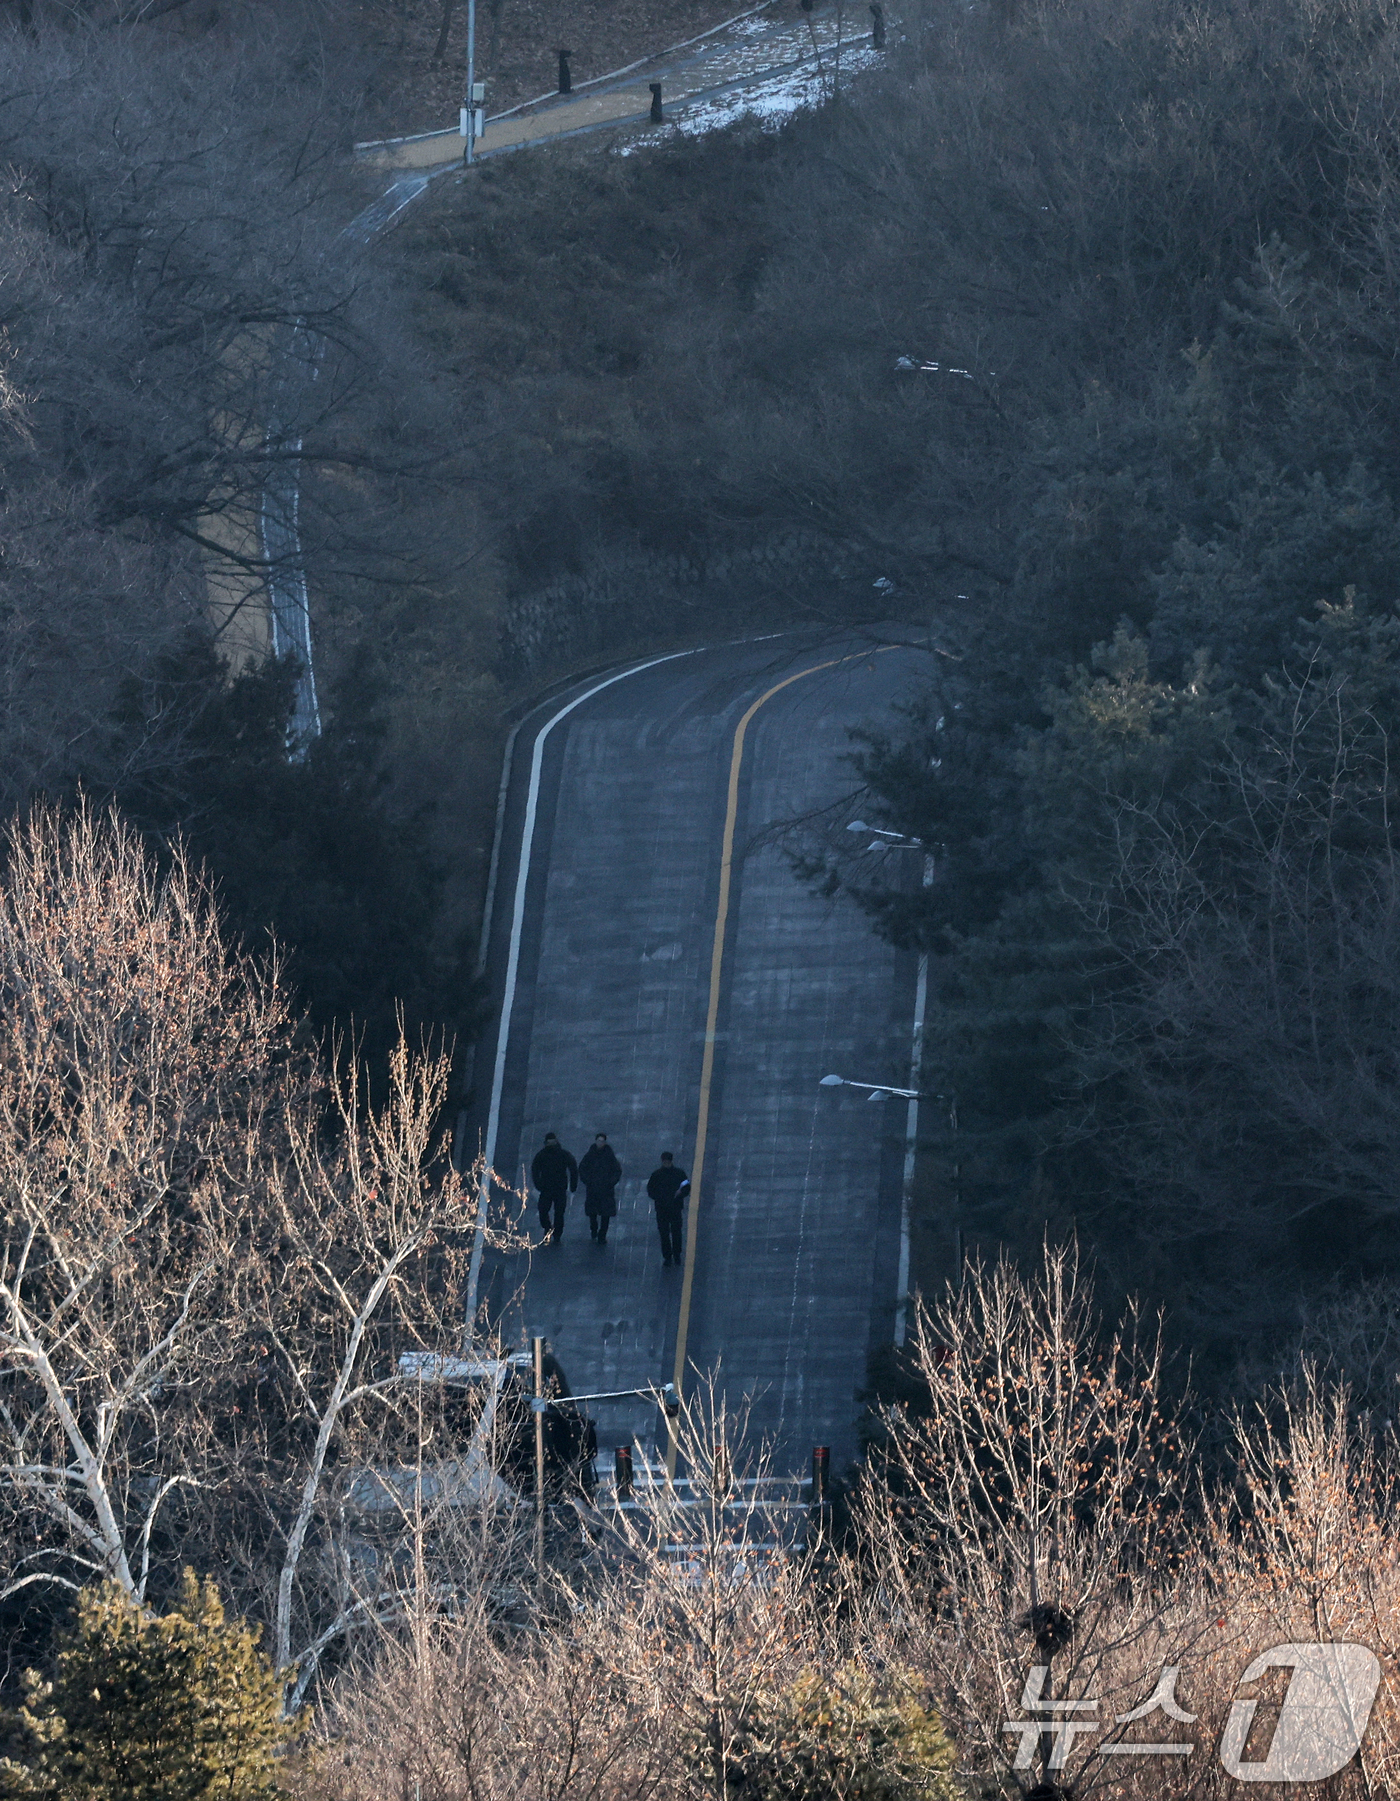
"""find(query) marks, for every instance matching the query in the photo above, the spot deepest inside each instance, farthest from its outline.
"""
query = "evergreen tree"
(836, 1736)
(179, 1707)
(312, 851)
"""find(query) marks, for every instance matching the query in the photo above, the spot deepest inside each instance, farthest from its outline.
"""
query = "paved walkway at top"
(750, 51)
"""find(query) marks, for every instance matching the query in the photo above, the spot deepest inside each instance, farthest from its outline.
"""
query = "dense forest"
(1067, 336)
(1070, 328)
(173, 233)
(1073, 330)
(1156, 765)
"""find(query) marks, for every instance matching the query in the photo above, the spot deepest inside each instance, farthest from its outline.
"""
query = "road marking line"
(707, 1067)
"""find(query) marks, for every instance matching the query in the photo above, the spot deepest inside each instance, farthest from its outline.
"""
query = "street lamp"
(891, 840)
(887, 840)
(666, 1398)
(878, 1090)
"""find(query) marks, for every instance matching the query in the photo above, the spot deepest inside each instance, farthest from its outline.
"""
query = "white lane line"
(527, 846)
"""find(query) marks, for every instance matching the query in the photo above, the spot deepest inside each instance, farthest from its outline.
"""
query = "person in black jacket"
(555, 1174)
(600, 1172)
(668, 1188)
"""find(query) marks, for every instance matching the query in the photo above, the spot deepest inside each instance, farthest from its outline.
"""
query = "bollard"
(655, 87)
(877, 33)
(566, 82)
(622, 1473)
(821, 1474)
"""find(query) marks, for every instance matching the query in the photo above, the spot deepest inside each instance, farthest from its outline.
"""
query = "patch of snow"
(770, 102)
(905, 362)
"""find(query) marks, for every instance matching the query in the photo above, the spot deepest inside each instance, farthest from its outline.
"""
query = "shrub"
(843, 1735)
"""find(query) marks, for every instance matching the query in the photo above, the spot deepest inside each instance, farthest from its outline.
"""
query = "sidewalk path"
(753, 51)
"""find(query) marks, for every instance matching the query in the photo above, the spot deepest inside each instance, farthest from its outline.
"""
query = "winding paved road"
(683, 999)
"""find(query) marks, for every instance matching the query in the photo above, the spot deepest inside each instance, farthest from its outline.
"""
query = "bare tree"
(685, 1643)
(192, 345)
(1026, 1521)
(139, 1073)
(373, 1229)
(213, 1257)
(1247, 1048)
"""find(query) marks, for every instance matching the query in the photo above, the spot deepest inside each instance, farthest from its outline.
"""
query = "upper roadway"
(643, 908)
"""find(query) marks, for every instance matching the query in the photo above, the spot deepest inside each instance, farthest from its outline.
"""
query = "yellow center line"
(707, 1067)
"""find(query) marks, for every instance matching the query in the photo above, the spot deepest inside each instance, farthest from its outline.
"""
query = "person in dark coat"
(668, 1188)
(600, 1172)
(555, 1174)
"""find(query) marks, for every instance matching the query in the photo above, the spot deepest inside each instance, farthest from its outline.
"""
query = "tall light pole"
(911, 1132)
(473, 119)
(879, 1091)
(888, 840)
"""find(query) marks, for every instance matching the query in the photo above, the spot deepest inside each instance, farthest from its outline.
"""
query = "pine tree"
(180, 1707)
(835, 1734)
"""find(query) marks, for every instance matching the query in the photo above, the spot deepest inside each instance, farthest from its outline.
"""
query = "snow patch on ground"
(770, 102)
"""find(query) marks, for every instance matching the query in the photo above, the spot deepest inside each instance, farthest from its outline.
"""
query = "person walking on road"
(555, 1174)
(600, 1172)
(668, 1188)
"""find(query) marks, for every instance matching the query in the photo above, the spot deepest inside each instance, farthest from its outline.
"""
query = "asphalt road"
(606, 952)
